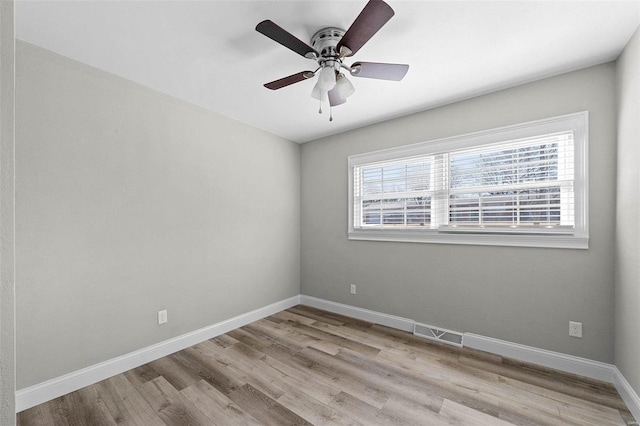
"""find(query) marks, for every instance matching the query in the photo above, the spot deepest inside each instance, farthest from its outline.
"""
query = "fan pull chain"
(330, 113)
(320, 107)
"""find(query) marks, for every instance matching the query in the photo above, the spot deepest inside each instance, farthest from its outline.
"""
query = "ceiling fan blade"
(374, 15)
(286, 81)
(334, 98)
(381, 71)
(285, 38)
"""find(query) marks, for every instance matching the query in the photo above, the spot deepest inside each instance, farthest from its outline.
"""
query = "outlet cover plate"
(162, 317)
(575, 329)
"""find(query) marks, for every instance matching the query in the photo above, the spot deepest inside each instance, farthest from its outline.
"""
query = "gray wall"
(523, 295)
(129, 201)
(627, 300)
(7, 198)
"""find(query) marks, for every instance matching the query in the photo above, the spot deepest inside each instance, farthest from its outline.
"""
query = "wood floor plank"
(211, 371)
(170, 369)
(361, 336)
(243, 370)
(125, 404)
(323, 366)
(314, 411)
(308, 312)
(224, 341)
(396, 381)
(336, 340)
(458, 414)
(261, 344)
(141, 375)
(360, 410)
(288, 315)
(216, 406)
(279, 336)
(45, 414)
(289, 329)
(434, 387)
(411, 412)
(245, 352)
(264, 408)
(86, 407)
(323, 391)
(172, 407)
(574, 416)
(307, 366)
(351, 322)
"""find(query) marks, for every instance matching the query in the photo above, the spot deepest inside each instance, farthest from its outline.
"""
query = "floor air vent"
(438, 334)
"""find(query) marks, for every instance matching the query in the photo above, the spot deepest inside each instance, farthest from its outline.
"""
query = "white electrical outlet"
(575, 329)
(353, 289)
(162, 317)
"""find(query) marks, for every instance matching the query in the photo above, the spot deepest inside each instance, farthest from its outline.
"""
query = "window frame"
(577, 239)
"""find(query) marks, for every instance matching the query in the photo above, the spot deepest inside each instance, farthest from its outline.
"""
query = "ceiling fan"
(329, 47)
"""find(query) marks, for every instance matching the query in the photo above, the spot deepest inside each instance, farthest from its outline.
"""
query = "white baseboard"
(46, 391)
(568, 363)
(392, 321)
(629, 396)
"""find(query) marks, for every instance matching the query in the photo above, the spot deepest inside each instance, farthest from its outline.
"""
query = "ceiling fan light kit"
(329, 47)
(327, 77)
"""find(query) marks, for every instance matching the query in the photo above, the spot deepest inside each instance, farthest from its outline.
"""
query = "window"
(523, 185)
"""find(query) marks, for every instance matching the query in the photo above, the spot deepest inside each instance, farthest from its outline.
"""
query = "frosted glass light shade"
(327, 78)
(344, 87)
(318, 93)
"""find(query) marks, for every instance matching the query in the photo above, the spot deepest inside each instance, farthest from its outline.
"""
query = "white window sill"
(433, 236)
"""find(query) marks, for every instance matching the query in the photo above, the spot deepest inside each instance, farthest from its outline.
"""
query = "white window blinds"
(395, 193)
(525, 184)
(528, 179)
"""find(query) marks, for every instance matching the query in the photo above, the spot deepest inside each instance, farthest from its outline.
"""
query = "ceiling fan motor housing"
(325, 42)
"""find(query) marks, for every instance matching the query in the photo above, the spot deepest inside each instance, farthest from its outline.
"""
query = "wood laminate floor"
(304, 366)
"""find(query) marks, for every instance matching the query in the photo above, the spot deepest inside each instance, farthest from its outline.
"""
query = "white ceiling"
(208, 52)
